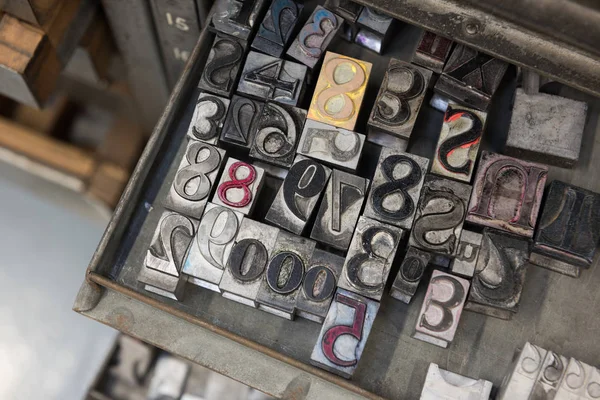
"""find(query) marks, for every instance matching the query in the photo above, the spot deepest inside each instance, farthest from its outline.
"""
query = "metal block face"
(237, 17)
(546, 128)
(209, 251)
(247, 262)
(344, 333)
(441, 309)
(314, 37)
(580, 382)
(369, 40)
(400, 98)
(370, 258)
(209, 116)
(318, 286)
(375, 20)
(340, 209)
(440, 216)
(223, 66)
(507, 194)
(432, 52)
(275, 31)
(298, 195)
(458, 144)
(338, 104)
(396, 187)
(335, 146)
(277, 134)
(471, 77)
(241, 121)
(441, 385)
(239, 186)
(347, 9)
(409, 275)
(468, 252)
(500, 274)
(284, 275)
(194, 179)
(551, 373)
(521, 378)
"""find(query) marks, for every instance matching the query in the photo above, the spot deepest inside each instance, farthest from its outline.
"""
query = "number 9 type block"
(275, 31)
(441, 384)
(239, 186)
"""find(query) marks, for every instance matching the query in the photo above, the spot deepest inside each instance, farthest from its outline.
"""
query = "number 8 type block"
(339, 91)
(239, 186)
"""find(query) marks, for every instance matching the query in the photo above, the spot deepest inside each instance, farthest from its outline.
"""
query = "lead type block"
(208, 118)
(239, 186)
(441, 384)
(432, 52)
(223, 66)
(396, 187)
(275, 31)
(349, 315)
(580, 382)
(370, 40)
(241, 121)
(409, 275)
(237, 17)
(551, 373)
(521, 377)
(468, 252)
(375, 21)
(507, 194)
(369, 258)
(347, 9)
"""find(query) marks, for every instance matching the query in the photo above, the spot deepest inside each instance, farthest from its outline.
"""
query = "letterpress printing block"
(334, 146)
(458, 144)
(409, 275)
(209, 251)
(471, 77)
(445, 385)
(439, 103)
(375, 20)
(277, 134)
(275, 31)
(396, 187)
(520, 379)
(507, 194)
(240, 124)
(468, 251)
(441, 309)
(237, 17)
(579, 382)
(369, 40)
(399, 99)
(194, 179)
(161, 272)
(223, 66)
(551, 373)
(318, 286)
(347, 9)
(350, 316)
(298, 195)
(499, 275)
(314, 37)
(339, 91)
(369, 258)
(247, 262)
(239, 186)
(546, 128)
(284, 275)
(208, 118)
(432, 52)
(340, 209)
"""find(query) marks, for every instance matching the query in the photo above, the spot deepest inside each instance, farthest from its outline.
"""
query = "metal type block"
(375, 20)
(340, 209)
(370, 257)
(546, 128)
(277, 134)
(441, 309)
(369, 40)
(168, 379)
(507, 194)
(193, 182)
(275, 32)
(396, 186)
(336, 103)
(579, 382)
(298, 195)
(439, 102)
(314, 37)
(551, 373)
(284, 274)
(385, 140)
(223, 66)
(440, 261)
(347, 9)
(209, 251)
(499, 276)
(318, 286)
(521, 377)
(468, 251)
(241, 121)
(471, 77)
(239, 186)
(400, 98)
(247, 262)
(458, 144)
(334, 146)
(409, 275)
(432, 52)
(271, 78)
(161, 272)
(344, 333)
(209, 116)
(237, 17)
(349, 32)
(445, 385)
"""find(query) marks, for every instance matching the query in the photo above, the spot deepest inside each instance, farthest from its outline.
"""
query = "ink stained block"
(275, 32)
(223, 66)
(239, 186)
(432, 52)
(209, 116)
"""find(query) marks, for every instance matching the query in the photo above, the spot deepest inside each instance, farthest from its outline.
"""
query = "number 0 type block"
(441, 385)
(350, 315)
(239, 186)
(208, 118)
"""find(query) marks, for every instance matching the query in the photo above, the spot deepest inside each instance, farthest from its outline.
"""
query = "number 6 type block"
(239, 186)
(344, 333)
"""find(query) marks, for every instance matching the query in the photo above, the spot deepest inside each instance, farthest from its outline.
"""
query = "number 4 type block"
(441, 385)
(239, 186)
(344, 333)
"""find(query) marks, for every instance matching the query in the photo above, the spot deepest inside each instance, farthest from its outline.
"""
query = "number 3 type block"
(344, 333)
(209, 116)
